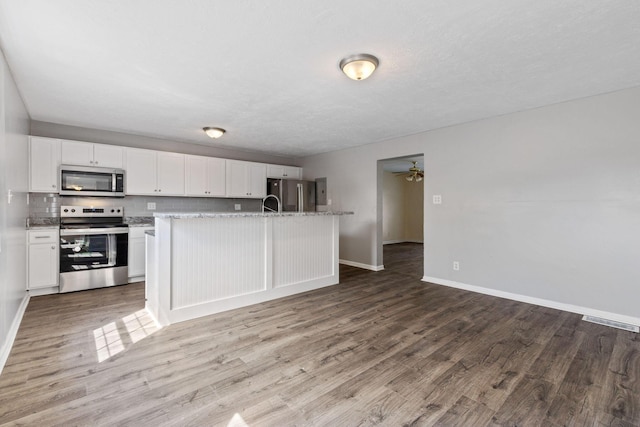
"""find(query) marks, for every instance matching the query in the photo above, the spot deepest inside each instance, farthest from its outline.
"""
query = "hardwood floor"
(379, 349)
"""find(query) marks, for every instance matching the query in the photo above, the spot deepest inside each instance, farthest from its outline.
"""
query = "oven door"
(93, 258)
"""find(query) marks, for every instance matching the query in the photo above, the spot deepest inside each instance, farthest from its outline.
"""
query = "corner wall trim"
(360, 265)
(13, 331)
(536, 301)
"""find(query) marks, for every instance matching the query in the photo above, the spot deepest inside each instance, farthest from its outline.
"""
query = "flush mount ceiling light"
(214, 132)
(360, 66)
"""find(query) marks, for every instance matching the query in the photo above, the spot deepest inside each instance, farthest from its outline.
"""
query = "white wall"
(544, 203)
(14, 127)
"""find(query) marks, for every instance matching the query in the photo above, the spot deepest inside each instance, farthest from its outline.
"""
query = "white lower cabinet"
(43, 247)
(137, 253)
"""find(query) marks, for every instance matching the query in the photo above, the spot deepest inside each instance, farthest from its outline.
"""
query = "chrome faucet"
(267, 207)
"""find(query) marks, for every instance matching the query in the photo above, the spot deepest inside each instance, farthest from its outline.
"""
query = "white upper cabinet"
(246, 179)
(205, 176)
(154, 173)
(286, 172)
(89, 154)
(170, 174)
(44, 159)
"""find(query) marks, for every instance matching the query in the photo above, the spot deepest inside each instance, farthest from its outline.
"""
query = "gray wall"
(544, 203)
(53, 130)
(14, 128)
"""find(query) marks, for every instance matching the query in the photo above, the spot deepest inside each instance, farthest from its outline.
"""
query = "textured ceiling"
(267, 71)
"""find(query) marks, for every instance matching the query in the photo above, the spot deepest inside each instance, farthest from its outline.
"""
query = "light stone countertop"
(188, 215)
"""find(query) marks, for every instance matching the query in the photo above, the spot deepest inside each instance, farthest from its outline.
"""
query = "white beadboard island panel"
(214, 260)
(302, 249)
(205, 263)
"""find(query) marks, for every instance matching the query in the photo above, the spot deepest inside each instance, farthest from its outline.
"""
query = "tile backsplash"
(42, 205)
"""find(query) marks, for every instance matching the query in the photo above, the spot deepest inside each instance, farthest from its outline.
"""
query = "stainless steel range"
(93, 247)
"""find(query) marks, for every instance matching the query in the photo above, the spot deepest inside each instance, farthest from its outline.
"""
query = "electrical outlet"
(437, 199)
(151, 206)
(456, 265)
(238, 206)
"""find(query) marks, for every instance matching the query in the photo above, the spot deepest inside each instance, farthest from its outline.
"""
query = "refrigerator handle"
(300, 198)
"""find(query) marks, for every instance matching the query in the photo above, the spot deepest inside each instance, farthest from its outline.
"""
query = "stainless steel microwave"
(91, 181)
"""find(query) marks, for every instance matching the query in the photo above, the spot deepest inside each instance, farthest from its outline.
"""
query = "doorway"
(401, 212)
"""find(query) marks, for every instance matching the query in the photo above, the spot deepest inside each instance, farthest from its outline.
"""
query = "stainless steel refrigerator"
(295, 195)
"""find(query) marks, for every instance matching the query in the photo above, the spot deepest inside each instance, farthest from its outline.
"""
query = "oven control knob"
(66, 210)
(118, 210)
(73, 210)
(113, 210)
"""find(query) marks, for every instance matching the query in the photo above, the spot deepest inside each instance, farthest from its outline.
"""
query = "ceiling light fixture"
(360, 66)
(214, 132)
(414, 173)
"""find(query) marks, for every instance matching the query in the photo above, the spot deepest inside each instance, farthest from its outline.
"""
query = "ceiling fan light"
(418, 178)
(214, 132)
(359, 67)
(409, 178)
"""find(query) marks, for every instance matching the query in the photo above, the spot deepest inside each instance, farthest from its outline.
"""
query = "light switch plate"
(437, 199)
(151, 206)
(237, 206)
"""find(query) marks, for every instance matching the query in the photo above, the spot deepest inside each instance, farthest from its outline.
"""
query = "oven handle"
(93, 231)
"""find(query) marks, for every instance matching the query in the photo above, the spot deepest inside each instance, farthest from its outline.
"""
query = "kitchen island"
(204, 263)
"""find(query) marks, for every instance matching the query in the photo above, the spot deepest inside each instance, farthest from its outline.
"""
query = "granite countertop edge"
(190, 215)
(54, 223)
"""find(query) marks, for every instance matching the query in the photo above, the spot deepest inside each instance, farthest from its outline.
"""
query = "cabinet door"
(141, 171)
(286, 172)
(216, 177)
(170, 174)
(107, 156)
(236, 174)
(257, 180)
(44, 159)
(43, 265)
(196, 176)
(137, 253)
(76, 153)
(292, 172)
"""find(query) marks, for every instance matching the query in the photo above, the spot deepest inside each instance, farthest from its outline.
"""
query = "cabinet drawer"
(43, 236)
(138, 232)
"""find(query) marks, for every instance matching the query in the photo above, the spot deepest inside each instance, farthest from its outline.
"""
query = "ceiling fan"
(414, 173)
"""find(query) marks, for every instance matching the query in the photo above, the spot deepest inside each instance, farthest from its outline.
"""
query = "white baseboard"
(536, 301)
(360, 265)
(393, 242)
(13, 331)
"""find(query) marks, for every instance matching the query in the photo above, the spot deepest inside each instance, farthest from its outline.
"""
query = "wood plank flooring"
(379, 349)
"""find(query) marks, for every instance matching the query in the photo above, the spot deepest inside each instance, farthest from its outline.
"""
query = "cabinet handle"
(41, 237)
(54, 186)
(53, 247)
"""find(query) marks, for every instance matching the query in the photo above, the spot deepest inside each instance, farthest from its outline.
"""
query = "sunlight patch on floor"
(237, 421)
(139, 325)
(113, 337)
